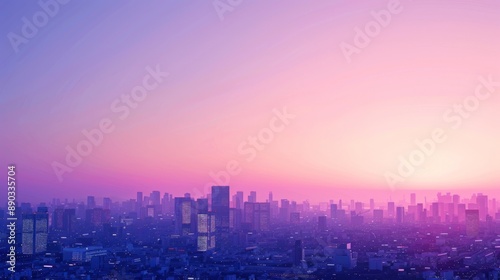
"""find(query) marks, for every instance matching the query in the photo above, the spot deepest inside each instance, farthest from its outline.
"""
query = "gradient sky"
(352, 120)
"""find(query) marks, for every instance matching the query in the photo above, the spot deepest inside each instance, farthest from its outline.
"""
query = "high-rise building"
(284, 212)
(333, 211)
(184, 216)
(205, 239)
(391, 210)
(106, 203)
(461, 212)
(139, 201)
(238, 200)
(257, 215)
(400, 214)
(155, 198)
(97, 217)
(220, 208)
(252, 197)
(482, 205)
(413, 199)
(90, 202)
(35, 232)
(472, 223)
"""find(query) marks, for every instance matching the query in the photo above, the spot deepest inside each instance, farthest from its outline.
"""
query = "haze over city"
(216, 79)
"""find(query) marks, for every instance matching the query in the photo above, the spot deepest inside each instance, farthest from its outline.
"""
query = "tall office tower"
(333, 211)
(35, 232)
(435, 212)
(165, 201)
(419, 213)
(400, 214)
(154, 198)
(298, 253)
(352, 206)
(340, 204)
(322, 223)
(456, 199)
(252, 197)
(372, 204)
(293, 206)
(69, 219)
(358, 207)
(482, 205)
(220, 208)
(236, 218)
(257, 215)
(184, 216)
(97, 217)
(57, 219)
(472, 223)
(139, 201)
(378, 216)
(450, 212)
(493, 207)
(106, 203)
(391, 210)
(284, 210)
(295, 218)
(90, 202)
(270, 199)
(238, 200)
(205, 231)
(461, 212)
(413, 199)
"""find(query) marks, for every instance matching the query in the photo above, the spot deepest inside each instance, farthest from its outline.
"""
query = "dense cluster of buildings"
(225, 236)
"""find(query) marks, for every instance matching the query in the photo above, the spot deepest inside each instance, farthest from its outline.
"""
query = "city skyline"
(180, 101)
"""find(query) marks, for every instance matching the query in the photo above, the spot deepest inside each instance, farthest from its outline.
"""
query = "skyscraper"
(257, 215)
(106, 203)
(482, 205)
(139, 201)
(154, 198)
(35, 232)
(252, 197)
(238, 200)
(400, 214)
(391, 210)
(90, 202)
(184, 215)
(220, 208)
(205, 239)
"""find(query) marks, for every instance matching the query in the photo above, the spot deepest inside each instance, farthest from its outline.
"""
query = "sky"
(334, 94)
